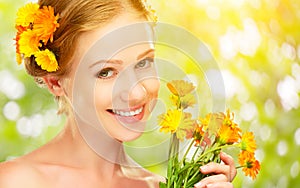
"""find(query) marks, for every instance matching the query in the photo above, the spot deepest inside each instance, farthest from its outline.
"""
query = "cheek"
(102, 96)
(152, 86)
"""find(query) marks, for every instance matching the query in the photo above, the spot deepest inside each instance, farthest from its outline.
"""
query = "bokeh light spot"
(295, 169)
(265, 133)
(297, 136)
(282, 148)
(10, 86)
(11, 110)
(287, 90)
(248, 111)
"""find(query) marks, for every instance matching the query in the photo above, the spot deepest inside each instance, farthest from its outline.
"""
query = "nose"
(135, 94)
(131, 88)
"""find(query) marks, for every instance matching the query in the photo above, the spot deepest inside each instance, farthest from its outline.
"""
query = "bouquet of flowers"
(207, 136)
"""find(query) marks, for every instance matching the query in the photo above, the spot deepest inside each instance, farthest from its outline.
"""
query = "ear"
(54, 85)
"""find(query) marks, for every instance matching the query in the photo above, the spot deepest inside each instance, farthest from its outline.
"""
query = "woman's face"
(114, 85)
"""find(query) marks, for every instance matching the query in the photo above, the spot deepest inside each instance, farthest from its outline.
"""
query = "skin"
(67, 160)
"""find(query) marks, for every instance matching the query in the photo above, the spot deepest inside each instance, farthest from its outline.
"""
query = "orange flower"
(186, 126)
(248, 142)
(46, 59)
(20, 30)
(212, 122)
(228, 119)
(28, 43)
(180, 87)
(250, 165)
(45, 24)
(26, 14)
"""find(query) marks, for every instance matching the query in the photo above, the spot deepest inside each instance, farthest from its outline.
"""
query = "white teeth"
(128, 113)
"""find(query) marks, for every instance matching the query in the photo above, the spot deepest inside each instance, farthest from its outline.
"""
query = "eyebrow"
(145, 53)
(116, 61)
(111, 61)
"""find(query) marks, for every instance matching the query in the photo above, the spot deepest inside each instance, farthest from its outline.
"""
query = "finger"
(216, 168)
(211, 180)
(228, 160)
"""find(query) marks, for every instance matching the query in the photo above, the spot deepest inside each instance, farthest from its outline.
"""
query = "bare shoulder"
(16, 173)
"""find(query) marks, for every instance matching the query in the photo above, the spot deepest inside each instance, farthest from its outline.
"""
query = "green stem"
(194, 155)
(173, 159)
(237, 167)
(186, 153)
(214, 149)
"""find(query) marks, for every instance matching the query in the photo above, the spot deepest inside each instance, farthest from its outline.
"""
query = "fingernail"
(198, 185)
(203, 168)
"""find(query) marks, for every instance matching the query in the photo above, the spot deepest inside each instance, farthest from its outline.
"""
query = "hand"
(224, 173)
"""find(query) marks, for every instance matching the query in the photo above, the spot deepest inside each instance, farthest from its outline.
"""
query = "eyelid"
(150, 59)
(115, 72)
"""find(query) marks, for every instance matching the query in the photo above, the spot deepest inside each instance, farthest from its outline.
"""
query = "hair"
(75, 18)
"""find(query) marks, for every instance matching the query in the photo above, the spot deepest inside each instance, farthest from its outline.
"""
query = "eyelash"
(143, 64)
(106, 70)
(148, 60)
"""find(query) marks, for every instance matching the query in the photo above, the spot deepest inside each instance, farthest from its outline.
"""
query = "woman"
(106, 87)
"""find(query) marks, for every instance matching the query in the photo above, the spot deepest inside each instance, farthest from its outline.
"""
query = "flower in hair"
(26, 14)
(35, 28)
(46, 59)
(45, 24)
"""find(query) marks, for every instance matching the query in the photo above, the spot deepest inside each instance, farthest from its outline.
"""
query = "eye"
(145, 63)
(107, 73)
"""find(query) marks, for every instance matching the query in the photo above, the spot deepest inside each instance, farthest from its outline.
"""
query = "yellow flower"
(250, 165)
(176, 121)
(26, 14)
(46, 59)
(28, 43)
(183, 102)
(170, 121)
(180, 87)
(45, 24)
(248, 142)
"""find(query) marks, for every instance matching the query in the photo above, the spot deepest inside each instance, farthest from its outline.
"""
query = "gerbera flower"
(26, 14)
(45, 24)
(186, 125)
(46, 60)
(20, 30)
(170, 121)
(250, 165)
(248, 142)
(180, 87)
(183, 102)
(28, 43)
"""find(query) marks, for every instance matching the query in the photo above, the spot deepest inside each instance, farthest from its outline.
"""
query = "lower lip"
(131, 119)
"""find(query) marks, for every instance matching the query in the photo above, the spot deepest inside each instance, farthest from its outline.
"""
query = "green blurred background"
(257, 46)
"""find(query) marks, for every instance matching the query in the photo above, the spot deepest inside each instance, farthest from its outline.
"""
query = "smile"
(128, 113)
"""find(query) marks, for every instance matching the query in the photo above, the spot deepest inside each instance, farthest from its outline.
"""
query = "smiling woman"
(97, 58)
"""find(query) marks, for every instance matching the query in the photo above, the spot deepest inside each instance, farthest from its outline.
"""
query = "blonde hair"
(77, 17)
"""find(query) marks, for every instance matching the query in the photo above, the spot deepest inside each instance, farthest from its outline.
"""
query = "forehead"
(123, 32)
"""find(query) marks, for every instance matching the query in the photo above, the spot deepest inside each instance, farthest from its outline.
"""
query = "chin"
(127, 137)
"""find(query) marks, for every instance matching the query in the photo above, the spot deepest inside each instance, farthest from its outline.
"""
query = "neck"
(88, 147)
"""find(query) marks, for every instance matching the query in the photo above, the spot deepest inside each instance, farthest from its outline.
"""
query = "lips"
(130, 116)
